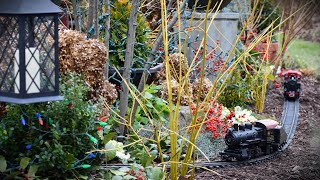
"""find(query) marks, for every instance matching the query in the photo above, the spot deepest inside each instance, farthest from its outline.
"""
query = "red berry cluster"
(213, 121)
(138, 175)
(214, 64)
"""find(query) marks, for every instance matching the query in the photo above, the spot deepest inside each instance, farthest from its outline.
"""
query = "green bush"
(120, 12)
(269, 13)
(237, 91)
(50, 139)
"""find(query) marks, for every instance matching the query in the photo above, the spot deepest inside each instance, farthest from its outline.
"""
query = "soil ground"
(302, 158)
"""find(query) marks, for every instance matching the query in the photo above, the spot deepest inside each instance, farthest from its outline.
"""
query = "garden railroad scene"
(129, 89)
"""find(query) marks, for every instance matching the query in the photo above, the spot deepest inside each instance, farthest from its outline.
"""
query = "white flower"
(113, 147)
(122, 155)
(224, 113)
(242, 116)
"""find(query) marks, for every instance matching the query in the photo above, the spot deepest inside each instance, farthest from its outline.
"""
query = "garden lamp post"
(29, 62)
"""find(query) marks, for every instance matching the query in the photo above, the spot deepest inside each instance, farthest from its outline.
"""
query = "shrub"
(86, 57)
(120, 13)
(155, 108)
(237, 91)
(51, 139)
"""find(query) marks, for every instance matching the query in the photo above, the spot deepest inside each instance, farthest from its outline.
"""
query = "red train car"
(291, 84)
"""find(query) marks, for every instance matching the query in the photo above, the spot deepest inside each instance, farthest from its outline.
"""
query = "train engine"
(247, 142)
(291, 84)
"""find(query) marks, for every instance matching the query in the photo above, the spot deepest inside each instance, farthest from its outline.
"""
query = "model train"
(247, 141)
(291, 84)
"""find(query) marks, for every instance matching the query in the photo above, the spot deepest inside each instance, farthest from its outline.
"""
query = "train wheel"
(258, 151)
(226, 158)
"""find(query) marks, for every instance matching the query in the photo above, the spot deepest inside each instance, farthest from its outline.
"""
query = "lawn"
(303, 54)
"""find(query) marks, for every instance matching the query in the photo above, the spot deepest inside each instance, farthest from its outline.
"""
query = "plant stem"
(157, 138)
(155, 47)
(194, 131)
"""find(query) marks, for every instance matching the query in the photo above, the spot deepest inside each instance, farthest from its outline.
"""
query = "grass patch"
(303, 54)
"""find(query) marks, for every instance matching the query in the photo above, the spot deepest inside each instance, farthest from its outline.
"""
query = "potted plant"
(268, 47)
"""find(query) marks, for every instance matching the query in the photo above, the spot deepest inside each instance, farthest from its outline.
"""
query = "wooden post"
(96, 25)
(132, 24)
(75, 15)
(107, 37)
(90, 14)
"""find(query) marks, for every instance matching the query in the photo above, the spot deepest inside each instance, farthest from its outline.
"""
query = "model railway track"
(289, 121)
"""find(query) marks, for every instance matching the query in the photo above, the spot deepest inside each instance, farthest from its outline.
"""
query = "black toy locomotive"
(291, 84)
(247, 142)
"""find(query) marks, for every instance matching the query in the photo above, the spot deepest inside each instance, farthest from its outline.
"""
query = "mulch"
(302, 158)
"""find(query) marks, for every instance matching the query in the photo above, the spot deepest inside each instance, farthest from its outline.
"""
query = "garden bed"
(302, 158)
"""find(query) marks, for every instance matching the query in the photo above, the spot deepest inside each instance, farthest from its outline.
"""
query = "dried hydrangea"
(184, 100)
(174, 61)
(87, 57)
(205, 88)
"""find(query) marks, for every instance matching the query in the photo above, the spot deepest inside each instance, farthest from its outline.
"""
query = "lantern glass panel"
(31, 40)
(40, 54)
(9, 37)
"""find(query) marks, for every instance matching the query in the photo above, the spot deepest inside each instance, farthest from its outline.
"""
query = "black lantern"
(29, 52)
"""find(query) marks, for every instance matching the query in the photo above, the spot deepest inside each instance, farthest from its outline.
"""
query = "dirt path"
(302, 158)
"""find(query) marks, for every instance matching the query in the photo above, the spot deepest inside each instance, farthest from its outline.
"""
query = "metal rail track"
(289, 121)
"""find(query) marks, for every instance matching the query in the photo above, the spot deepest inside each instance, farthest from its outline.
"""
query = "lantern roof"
(25, 7)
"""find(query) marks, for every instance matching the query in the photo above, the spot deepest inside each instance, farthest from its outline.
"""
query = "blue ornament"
(91, 155)
(23, 121)
(38, 115)
(29, 146)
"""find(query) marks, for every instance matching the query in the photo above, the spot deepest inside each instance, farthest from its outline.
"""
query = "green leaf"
(154, 152)
(156, 174)
(24, 162)
(83, 177)
(149, 105)
(163, 119)
(129, 177)
(108, 137)
(117, 178)
(144, 120)
(69, 158)
(148, 95)
(145, 159)
(117, 173)
(160, 102)
(271, 77)
(3, 164)
(32, 170)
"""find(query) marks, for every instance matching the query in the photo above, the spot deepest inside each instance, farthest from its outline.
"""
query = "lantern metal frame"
(29, 51)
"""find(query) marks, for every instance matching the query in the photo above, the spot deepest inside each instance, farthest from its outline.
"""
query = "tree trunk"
(132, 24)
(75, 15)
(90, 13)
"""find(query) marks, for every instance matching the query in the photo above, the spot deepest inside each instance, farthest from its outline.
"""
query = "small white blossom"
(242, 116)
(122, 156)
